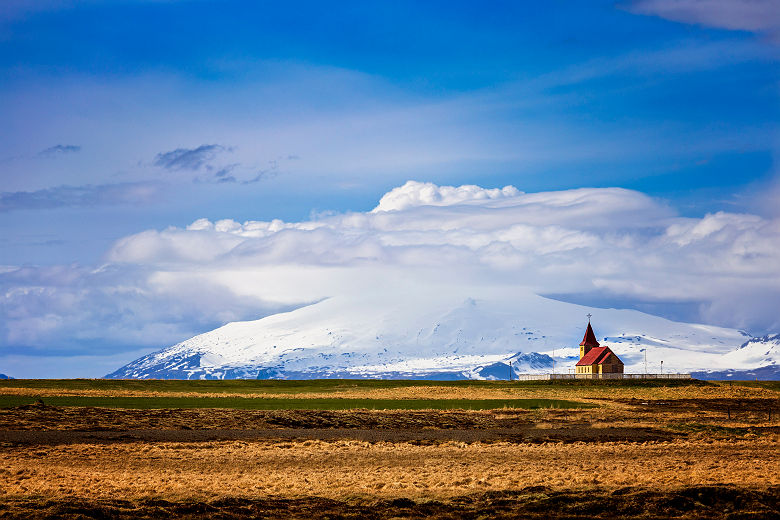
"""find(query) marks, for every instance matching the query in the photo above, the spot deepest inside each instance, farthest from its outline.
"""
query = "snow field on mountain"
(390, 335)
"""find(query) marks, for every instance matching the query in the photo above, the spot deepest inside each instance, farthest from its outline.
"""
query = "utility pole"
(662, 366)
(510, 370)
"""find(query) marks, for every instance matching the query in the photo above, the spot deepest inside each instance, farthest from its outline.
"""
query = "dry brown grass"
(678, 440)
(713, 391)
(350, 468)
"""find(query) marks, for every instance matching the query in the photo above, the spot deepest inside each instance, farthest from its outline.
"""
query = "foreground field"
(355, 471)
(643, 450)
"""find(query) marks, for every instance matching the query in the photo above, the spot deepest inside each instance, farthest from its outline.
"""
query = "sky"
(169, 166)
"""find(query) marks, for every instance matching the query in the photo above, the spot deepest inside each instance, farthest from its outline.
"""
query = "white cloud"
(613, 240)
(173, 245)
(161, 286)
(415, 193)
(742, 15)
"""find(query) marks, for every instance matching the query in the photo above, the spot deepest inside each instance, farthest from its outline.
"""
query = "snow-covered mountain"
(445, 334)
(757, 358)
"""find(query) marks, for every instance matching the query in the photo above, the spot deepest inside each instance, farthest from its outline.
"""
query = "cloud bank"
(160, 286)
(80, 196)
(189, 158)
(60, 149)
(205, 163)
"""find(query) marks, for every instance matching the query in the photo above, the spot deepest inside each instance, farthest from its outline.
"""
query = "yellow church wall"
(600, 369)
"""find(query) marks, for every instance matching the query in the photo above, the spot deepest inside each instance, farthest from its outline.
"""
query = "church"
(595, 359)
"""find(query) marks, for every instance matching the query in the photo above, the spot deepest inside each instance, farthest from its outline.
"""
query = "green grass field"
(7, 401)
(769, 385)
(250, 386)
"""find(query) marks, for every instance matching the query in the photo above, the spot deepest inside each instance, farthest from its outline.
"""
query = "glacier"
(444, 333)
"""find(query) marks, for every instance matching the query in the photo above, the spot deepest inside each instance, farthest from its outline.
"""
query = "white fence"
(544, 377)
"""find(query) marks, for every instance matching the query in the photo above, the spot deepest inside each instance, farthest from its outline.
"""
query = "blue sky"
(124, 116)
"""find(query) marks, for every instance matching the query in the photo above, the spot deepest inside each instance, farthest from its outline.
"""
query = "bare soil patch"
(429, 436)
(711, 502)
(720, 404)
(33, 417)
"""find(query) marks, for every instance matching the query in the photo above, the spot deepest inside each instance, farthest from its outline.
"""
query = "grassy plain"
(646, 449)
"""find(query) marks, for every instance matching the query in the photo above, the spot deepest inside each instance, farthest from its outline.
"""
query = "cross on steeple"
(589, 315)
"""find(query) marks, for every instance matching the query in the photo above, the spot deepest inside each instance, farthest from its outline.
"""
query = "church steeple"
(588, 341)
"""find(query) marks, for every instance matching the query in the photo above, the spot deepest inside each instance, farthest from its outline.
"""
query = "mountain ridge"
(442, 334)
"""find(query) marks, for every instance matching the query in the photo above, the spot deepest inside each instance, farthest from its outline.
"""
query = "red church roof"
(596, 355)
(590, 338)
